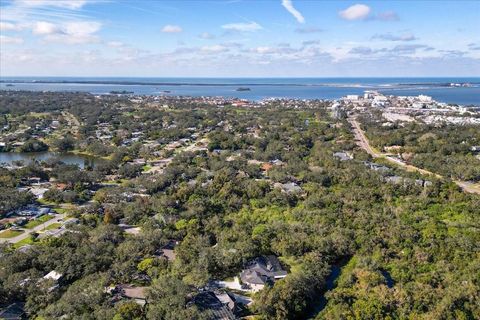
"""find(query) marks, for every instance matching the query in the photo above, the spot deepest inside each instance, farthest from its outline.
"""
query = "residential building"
(262, 271)
(216, 309)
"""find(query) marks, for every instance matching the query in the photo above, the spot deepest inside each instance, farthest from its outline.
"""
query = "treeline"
(409, 251)
(444, 149)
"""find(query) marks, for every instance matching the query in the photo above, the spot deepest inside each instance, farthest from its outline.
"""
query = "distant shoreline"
(462, 91)
(233, 84)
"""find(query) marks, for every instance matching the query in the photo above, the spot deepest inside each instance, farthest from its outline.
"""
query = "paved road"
(362, 139)
(363, 142)
(27, 232)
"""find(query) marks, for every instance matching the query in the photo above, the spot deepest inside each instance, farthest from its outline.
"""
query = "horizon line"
(240, 77)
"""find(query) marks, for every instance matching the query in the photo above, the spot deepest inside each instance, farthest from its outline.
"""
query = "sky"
(239, 38)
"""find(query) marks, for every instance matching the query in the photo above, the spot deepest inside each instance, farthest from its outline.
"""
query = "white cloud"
(242, 26)
(393, 37)
(232, 44)
(169, 28)
(206, 35)
(409, 48)
(287, 4)
(67, 4)
(387, 16)
(214, 49)
(308, 30)
(72, 39)
(75, 28)
(82, 27)
(355, 12)
(264, 50)
(115, 44)
(25, 12)
(59, 21)
(7, 26)
(45, 28)
(75, 32)
(10, 40)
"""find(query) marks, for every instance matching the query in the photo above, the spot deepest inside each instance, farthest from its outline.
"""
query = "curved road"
(363, 142)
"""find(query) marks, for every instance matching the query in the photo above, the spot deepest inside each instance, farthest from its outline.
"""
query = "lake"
(68, 158)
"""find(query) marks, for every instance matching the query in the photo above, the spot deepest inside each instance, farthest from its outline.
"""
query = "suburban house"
(54, 277)
(13, 311)
(217, 305)
(343, 156)
(262, 271)
(405, 181)
(168, 250)
(130, 229)
(289, 187)
(53, 233)
(266, 166)
(376, 167)
(128, 292)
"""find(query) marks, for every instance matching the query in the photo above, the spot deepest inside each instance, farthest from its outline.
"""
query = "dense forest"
(400, 251)
(442, 148)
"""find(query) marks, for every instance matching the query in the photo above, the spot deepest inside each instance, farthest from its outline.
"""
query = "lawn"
(33, 223)
(27, 240)
(45, 202)
(9, 233)
(55, 225)
(60, 210)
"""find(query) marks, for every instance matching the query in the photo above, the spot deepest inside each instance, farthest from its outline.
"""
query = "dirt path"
(363, 143)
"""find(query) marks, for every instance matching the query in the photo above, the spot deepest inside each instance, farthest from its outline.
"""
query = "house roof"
(54, 275)
(290, 187)
(262, 270)
(133, 292)
(253, 277)
(267, 166)
(168, 250)
(13, 311)
(343, 156)
(227, 299)
(208, 302)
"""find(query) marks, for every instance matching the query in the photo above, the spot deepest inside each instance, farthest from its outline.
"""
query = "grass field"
(61, 210)
(27, 240)
(45, 202)
(9, 233)
(54, 226)
(32, 224)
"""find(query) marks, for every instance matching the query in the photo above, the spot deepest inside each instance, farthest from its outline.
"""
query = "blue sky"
(239, 38)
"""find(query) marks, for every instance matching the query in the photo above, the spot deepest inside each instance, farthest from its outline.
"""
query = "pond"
(9, 158)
